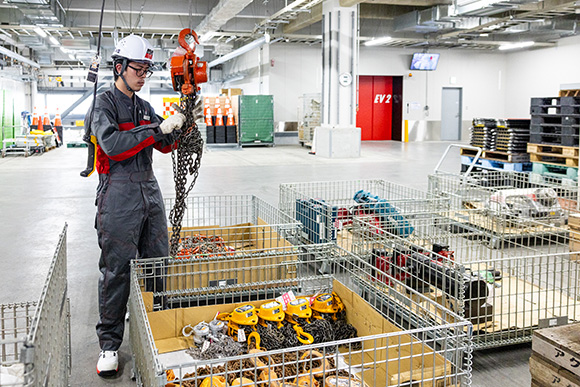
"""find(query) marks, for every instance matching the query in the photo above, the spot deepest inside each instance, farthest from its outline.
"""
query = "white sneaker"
(108, 363)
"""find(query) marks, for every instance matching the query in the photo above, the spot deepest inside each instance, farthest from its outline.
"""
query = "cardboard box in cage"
(396, 360)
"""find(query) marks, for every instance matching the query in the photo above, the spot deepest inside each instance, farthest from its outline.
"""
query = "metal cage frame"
(326, 208)
(423, 330)
(532, 278)
(470, 190)
(239, 220)
(36, 335)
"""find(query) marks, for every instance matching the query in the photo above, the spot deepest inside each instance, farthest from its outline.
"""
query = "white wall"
(539, 73)
(19, 92)
(296, 70)
(480, 75)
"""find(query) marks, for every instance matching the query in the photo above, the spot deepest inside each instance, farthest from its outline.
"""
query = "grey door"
(451, 113)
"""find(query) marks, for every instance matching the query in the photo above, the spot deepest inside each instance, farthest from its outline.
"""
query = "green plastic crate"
(256, 107)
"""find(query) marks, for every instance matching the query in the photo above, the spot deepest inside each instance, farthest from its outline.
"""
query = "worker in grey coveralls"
(130, 219)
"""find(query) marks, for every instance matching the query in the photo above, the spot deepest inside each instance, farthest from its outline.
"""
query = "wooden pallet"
(555, 357)
(554, 154)
(569, 93)
(497, 155)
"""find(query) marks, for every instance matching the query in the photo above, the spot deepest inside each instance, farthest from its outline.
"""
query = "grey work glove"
(173, 122)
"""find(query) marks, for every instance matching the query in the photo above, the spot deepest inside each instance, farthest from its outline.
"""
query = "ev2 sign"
(383, 98)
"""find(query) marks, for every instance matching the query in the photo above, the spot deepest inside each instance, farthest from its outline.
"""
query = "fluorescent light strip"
(377, 41)
(513, 46)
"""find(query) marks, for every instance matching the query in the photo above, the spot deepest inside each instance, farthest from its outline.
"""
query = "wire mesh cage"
(399, 340)
(223, 223)
(35, 336)
(326, 209)
(516, 194)
(507, 285)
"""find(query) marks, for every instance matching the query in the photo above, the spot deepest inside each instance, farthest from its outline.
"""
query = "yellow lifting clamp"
(271, 311)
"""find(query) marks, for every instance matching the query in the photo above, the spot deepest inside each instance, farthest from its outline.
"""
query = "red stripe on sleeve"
(102, 161)
(126, 126)
(165, 149)
(133, 151)
(143, 122)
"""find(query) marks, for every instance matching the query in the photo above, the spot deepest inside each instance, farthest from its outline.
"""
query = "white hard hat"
(134, 48)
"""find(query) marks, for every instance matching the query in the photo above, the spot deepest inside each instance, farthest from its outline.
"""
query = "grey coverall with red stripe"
(130, 219)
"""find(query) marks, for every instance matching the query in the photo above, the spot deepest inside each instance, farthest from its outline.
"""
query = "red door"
(375, 113)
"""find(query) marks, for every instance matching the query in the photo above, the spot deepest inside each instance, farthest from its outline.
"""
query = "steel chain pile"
(202, 244)
(186, 161)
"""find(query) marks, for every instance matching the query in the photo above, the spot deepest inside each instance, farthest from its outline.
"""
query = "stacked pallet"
(483, 133)
(555, 121)
(512, 136)
(554, 136)
(503, 143)
(555, 359)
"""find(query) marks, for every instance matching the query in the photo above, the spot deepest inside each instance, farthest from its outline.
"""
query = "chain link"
(186, 161)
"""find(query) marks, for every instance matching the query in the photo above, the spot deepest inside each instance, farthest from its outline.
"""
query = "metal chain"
(186, 161)
(202, 244)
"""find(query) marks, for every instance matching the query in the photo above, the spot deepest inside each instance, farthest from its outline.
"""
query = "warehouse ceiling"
(71, 26)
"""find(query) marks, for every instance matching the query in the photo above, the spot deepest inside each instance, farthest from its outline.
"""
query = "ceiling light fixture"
(242, 50)
(513, 46)
(377, 41)
(40, 32)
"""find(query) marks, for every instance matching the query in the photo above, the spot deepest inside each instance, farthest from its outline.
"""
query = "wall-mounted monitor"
(424, 61)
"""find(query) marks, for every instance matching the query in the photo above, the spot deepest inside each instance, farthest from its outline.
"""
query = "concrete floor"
(39, 194)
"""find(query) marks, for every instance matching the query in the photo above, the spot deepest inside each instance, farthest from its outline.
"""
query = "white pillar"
(338, 135)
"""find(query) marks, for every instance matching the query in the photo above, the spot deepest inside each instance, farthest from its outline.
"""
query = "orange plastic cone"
(207, 110)
(216, 105)
(35, 120)
(219, 119)
(39, 123)
(208, 120)
(46, 120)
(231, 121)
(57, 119)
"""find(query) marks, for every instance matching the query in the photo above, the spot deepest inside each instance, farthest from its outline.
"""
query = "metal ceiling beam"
(414, 3)
(541, 8)
(304, 20)
(18, 57)
(224, 11)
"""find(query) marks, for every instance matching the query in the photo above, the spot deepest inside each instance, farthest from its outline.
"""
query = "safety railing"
(400, 339)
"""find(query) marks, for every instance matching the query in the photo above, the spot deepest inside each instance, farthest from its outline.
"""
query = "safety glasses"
(140, 72)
